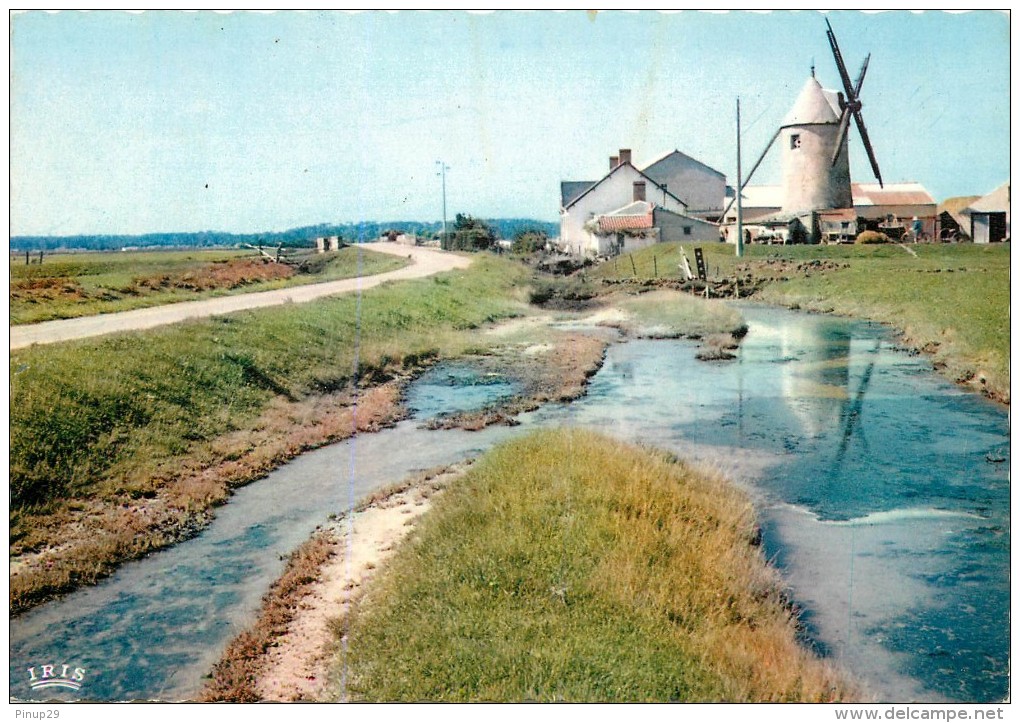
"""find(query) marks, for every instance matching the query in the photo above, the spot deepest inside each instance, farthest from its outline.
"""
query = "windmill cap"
(813, 106)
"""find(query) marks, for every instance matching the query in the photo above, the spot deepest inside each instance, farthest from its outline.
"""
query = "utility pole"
(740, 185)
(443, 168)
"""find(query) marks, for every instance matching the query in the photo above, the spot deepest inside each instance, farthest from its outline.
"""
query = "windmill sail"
(851, 104)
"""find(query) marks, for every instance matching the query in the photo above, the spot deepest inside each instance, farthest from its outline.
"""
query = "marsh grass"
(668, 314)
(72, 285)
(81, 410)
(568, 566)
(951, 300)
(125, 419)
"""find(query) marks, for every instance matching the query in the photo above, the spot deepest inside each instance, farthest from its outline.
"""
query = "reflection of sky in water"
(449, 388)
(877, 502)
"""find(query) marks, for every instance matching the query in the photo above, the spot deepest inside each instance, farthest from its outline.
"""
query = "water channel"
(882, 489)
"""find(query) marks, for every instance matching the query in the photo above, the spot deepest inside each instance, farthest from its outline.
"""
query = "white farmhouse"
(598, 217)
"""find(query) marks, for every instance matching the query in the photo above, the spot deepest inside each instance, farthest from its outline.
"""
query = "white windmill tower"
(815, 163)
(816, 172)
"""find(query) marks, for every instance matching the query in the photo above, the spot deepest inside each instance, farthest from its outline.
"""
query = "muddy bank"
(557, 370)
(284, 656)
(96, 537)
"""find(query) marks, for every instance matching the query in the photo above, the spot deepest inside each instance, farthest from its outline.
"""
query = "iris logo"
(49, 677)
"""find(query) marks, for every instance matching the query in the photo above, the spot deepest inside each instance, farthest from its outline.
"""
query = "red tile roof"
(609, 224)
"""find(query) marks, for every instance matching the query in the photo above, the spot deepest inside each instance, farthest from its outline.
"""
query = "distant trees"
(293, 238)
(471, 234)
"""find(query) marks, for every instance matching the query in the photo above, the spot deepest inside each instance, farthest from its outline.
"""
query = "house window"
(687, 230)
(795, 141)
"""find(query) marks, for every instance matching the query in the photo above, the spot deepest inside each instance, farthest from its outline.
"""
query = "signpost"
(699, 259)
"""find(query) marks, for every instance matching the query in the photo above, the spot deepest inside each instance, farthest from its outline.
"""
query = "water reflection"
(877, 495)
(874, 480)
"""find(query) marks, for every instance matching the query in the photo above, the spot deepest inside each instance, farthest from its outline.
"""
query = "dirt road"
(424, 262)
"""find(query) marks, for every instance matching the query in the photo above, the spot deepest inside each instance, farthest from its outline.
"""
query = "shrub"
(529, 242)
(872, 237)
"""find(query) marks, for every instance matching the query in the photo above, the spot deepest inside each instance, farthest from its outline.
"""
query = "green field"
(567, 566)
(71, 285)
(950, 300)
(100, 426)
(102, 414)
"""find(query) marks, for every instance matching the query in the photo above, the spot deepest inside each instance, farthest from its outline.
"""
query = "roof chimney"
(639, 190)
(614, 161)
(624, 156)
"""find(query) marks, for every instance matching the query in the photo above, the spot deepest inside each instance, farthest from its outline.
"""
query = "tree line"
(507, 228)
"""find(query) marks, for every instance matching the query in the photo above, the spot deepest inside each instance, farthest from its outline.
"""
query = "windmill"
(815, 163)
(850, 104)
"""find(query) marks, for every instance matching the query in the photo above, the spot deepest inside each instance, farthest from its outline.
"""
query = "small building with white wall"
(989, 216)
(327, 243)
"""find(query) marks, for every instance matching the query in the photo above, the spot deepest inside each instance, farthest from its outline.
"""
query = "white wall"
(615, 191)
(697, 186)
(982, 231)
(810, 181)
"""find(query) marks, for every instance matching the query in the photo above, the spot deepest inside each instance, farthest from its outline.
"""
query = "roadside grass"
(120, 418)
(951, 300)
(72, 285)
(566, 566)
(79, 408)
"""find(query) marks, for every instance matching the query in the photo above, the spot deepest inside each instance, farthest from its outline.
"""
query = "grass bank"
(66, 286)
(951, 301)
(568, 566)
(104, 431)
(124, 444)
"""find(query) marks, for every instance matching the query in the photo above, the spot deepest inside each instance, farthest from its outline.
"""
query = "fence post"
(632, 266)
(655, 266)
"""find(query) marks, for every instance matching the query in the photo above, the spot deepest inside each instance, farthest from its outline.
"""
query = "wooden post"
(632, 266)
(27, 261)
(740, 185)
(655, 266)
(40, 256)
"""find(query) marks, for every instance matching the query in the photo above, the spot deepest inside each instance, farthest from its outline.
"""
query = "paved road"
(424, 262)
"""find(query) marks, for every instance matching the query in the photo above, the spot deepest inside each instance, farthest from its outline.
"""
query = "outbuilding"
(989, 216)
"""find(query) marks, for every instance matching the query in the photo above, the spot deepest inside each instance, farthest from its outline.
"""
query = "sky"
(125, 123)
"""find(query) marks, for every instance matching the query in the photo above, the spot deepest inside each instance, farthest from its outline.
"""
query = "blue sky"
(172, 121)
